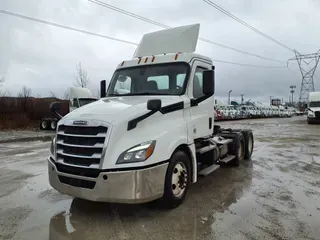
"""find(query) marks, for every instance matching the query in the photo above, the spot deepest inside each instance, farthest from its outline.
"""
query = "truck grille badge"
(80, 122)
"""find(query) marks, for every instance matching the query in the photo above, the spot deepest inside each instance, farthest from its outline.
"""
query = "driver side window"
(198, 83)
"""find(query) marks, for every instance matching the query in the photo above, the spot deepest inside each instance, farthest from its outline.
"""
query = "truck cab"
(79, 96)
(313, 110)
(152, 133)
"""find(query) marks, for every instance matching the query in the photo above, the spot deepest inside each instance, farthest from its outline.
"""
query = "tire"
(44, 124)
(238, 150)
(179, 167)
(249, 143)
(53, 124)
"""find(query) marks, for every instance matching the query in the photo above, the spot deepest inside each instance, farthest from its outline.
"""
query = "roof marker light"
(122, 63)
(139, 60)
(146, 60)
(176, 56)
(153, 58)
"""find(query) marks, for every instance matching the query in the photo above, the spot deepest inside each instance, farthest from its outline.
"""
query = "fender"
(192, 150)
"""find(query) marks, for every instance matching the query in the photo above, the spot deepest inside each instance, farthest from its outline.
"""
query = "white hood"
(314, 109)
(113, 108)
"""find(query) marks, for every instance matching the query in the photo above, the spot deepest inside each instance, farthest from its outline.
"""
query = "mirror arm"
(57, 115)
(196, 101)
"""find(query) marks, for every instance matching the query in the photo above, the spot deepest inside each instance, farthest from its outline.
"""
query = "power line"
(120, 10)
(246, 65)
(108, 37)
(216, 6)
(65, 27)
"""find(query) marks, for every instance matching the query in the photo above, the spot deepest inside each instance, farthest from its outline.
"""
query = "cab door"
(202, 114)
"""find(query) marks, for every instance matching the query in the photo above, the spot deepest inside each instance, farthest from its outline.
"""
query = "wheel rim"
(179, 179)
(53, 125)
(44, 124)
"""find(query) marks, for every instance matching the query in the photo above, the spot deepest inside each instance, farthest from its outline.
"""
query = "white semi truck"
(78, 97)
(313, 108)
(154, 138)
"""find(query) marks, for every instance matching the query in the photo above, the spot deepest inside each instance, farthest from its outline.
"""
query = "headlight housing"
(138, 153)
(52, 146)
(310, 113)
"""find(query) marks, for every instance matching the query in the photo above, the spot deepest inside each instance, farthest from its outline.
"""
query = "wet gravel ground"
(274, 196)
(24, 135)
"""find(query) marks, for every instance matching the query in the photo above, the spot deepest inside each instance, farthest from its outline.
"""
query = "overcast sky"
(44, 57)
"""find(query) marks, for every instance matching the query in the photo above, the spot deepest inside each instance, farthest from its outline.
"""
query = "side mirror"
(154, 105)
(55, 107)
(103, 88)
(208, 82)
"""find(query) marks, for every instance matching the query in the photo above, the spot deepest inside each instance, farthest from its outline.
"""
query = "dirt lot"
(274, 196)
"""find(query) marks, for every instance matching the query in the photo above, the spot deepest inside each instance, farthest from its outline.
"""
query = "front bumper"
(134, 186)
(313, 119)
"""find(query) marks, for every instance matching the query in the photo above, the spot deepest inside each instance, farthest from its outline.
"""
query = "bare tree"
(52, 94)
(2, 93)
(66, 94)
(81, 76)
(2, 79)
(24, 96)
(25, 92)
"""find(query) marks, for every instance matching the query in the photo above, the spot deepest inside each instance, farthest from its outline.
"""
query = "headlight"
(138, 153)
(52, 146)
(310, 113)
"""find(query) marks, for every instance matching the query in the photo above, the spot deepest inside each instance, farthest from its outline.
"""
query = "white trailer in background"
(151, 142)
(77, 97)
(313, 108)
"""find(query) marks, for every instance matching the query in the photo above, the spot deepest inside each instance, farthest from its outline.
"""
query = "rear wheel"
(238, 150)
(53, 124)
(44, 124)
(177, 181)
(249, 143)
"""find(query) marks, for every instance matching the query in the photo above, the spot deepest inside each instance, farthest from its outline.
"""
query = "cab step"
(206, 171)
(227, 158)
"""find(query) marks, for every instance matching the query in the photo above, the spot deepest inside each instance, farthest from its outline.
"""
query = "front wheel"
(177, 181)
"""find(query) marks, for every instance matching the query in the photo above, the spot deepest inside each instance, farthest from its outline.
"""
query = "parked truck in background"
(77, 97)
(148, 142)
(313, 110)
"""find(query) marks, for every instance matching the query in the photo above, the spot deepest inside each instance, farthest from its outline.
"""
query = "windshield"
(160, 79)
(84, 101)
(314, 104)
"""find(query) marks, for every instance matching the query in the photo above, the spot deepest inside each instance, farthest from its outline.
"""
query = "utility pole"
(229, 97)
(271, 100)
(241, 99)
(292, 91)
(308, 64)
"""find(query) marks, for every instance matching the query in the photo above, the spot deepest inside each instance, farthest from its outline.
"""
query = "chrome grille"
(80, 145)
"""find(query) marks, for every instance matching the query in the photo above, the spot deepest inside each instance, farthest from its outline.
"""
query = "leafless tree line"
(81, 80)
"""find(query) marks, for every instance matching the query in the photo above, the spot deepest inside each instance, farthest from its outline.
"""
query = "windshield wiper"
(139, 94)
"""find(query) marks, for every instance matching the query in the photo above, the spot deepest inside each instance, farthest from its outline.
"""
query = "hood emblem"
(80, 122)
